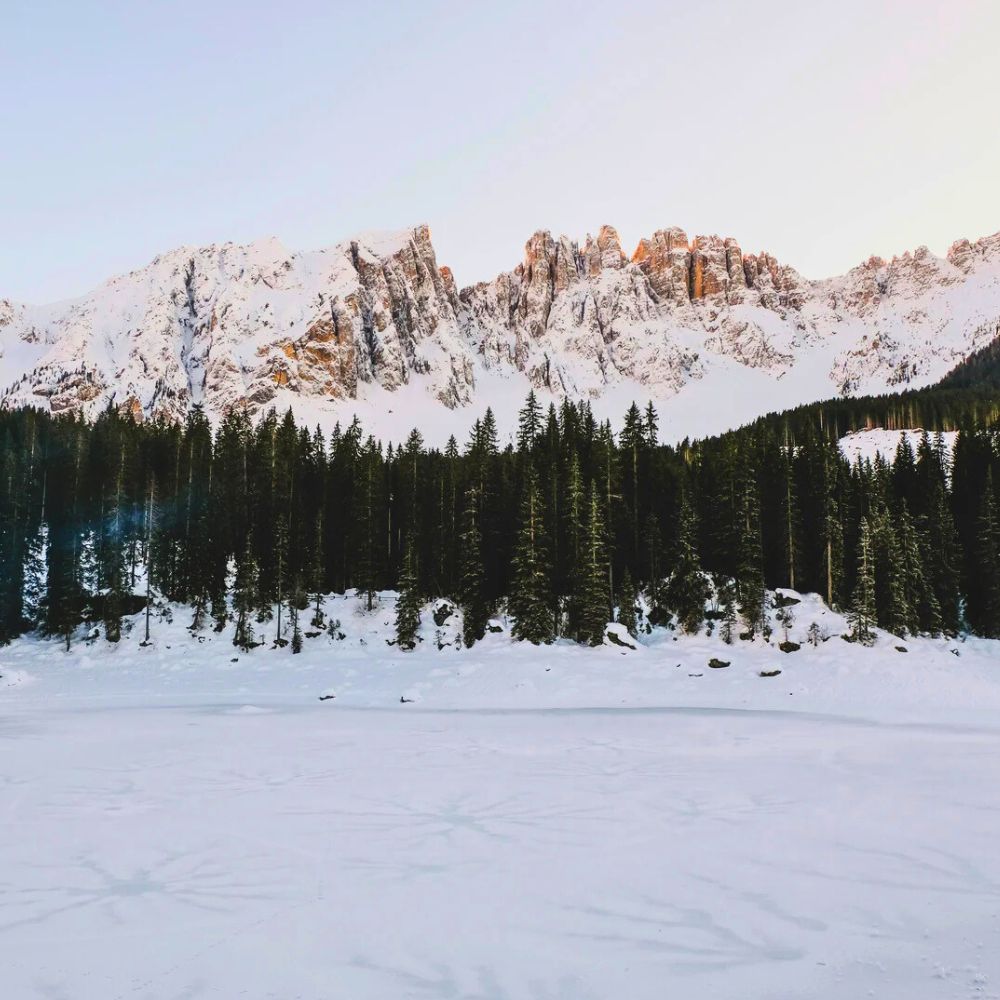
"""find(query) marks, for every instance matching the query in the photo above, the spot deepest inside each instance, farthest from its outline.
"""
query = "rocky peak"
(604, 253)
(665, 260)
(716, 267)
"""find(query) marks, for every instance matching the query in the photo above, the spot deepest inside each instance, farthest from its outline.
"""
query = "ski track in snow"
(177, 831)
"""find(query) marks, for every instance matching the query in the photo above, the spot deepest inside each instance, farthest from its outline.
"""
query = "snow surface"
(866, 445)
(186, 820)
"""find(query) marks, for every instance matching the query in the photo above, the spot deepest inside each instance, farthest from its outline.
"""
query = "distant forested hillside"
(980, 369)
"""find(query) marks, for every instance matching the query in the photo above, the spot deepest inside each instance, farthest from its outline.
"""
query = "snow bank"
(912, 679)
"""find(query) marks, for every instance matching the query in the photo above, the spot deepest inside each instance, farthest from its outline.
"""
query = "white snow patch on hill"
(866, 444)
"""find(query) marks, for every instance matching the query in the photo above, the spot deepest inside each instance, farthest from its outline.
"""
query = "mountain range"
(374, 326)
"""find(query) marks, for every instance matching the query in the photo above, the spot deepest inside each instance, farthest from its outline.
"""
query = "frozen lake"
(329, 852)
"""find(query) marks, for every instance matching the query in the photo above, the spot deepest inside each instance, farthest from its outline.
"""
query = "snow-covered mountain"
(374, 326)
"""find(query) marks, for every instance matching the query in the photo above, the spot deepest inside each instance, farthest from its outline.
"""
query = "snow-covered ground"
(866, 444)
(185, 820)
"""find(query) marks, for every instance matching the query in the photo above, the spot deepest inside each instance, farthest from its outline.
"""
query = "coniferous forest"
(251, 524)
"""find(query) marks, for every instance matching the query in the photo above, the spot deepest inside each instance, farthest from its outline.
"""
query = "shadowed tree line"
(251, 524)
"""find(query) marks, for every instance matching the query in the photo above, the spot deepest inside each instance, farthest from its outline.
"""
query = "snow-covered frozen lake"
(315, 852)
(182, 821)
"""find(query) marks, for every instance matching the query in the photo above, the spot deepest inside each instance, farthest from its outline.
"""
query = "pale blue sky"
(820, 131)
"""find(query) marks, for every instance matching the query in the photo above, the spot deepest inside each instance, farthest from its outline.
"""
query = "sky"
(822, 132)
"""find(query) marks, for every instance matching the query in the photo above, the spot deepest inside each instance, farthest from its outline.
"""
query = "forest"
(250, 524)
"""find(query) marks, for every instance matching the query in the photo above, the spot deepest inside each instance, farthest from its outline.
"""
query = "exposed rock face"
(232, 326)
(665, 260)
(257, 326)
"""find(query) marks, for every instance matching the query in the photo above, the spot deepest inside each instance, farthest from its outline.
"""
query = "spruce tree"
(529, 424)
(899, 615)
(34, 586)
(726, 592)
(592, 580)
(472, 585)
(986, 560)
(573, 521)
(315, 570)
(687, 589)
(862, 613)
(368, 534)
(925, 612)
(529, 599)
(246, 597)
(408, 602)
(750, 566)
(279, 563)
(626, 604)
(297, 602)
(657, 591)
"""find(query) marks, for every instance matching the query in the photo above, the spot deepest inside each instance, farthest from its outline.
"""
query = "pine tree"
(862, 613)
(573, 520)
(750, 567)
(151, 523)
(246, 597)
(925, 612)
(651, 424)
(986, 559)
(408, 602)
(632, 443)
(653, 542)
(368, 535)
(112, 556)
(315, 570)
(626, 604)
(280, 550)
(688, 589)
(297, 602)
(592, 582)
(529, 598)
(726, 591)
(899, 615)
(790, 517)
(529, 424)
(34, 586)
(472, 585)
(832, 530)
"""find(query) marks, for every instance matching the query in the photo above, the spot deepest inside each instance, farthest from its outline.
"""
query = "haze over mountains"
(375, 327)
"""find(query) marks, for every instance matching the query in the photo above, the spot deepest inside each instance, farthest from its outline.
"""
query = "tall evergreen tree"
(472, 585)
(862, 613)
(529, 423)
(626, 605)
(529, 598)
(246, 597)
(369, 540)
(688, 589)
(750, 567)
(408, 602)
(986, 558)
(592, 579)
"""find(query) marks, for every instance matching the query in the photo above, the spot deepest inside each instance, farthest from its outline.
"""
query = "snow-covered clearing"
(553, 824)
(866, 444)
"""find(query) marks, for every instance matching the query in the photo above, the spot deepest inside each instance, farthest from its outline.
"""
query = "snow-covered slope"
(867, 444)
(374, 326)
